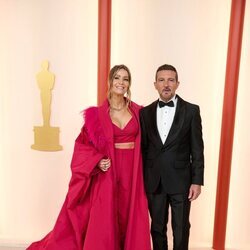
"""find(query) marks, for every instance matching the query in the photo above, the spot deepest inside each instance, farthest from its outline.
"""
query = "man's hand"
(194, 192)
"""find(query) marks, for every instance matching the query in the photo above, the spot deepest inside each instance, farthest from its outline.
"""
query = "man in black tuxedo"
(172, 148)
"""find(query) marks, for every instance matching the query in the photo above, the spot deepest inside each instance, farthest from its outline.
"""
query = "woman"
(106, 207)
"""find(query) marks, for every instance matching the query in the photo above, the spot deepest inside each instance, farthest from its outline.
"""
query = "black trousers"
(159, 204)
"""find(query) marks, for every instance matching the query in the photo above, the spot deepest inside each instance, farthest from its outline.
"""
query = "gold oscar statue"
(46, 137)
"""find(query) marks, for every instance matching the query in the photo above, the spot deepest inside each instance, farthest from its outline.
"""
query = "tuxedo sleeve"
(197, 149)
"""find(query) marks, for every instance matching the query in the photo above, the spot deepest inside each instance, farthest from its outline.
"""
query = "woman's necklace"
(117, 109)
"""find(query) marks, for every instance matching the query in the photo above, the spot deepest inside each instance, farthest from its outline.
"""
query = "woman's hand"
(104, 164)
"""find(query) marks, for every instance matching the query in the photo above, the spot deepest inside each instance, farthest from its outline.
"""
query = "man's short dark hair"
(167, 67)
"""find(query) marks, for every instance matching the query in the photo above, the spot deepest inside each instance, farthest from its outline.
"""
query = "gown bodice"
(128, 133)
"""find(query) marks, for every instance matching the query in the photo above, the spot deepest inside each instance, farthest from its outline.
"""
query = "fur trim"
(94, 129)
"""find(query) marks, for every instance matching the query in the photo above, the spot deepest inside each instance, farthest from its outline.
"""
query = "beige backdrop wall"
(192, 35)
(34, 183)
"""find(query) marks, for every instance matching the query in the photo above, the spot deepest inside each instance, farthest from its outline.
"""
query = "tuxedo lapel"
(177, 122)
(153, 124)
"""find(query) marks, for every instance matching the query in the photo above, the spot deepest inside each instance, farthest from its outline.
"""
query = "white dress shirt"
(165, 117)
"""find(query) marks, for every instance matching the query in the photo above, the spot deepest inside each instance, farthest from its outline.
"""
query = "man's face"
(166, 84)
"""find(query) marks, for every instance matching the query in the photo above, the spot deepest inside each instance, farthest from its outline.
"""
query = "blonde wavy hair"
(112, 74)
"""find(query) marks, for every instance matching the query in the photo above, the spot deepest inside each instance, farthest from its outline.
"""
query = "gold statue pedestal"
(46, 138)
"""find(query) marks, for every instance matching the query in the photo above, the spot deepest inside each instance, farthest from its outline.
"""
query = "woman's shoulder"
(90, 111)
(135, 106)
(90, 115)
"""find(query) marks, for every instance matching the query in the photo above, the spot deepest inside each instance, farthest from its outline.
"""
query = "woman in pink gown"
(106, 206)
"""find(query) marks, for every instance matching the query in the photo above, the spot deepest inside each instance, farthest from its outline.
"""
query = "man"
(173, 159)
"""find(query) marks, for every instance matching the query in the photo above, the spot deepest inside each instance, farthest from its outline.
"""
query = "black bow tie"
(162, 104)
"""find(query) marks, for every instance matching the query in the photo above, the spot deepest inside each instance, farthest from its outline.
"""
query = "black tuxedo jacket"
(179, 162)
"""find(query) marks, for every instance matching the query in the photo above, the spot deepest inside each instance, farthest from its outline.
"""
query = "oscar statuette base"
(46, 138)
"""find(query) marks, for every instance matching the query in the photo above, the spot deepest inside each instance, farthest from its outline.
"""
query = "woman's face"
(120, 82)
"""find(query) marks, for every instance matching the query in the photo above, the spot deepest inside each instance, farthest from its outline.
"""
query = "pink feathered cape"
(88, 218)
